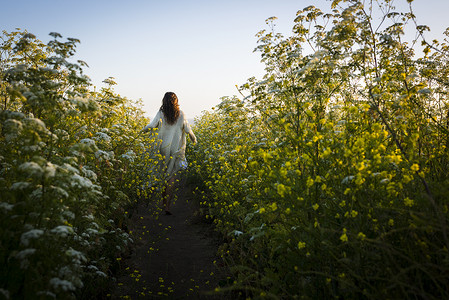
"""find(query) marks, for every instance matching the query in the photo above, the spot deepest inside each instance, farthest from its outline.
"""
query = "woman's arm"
(189, 131)
(154, 123)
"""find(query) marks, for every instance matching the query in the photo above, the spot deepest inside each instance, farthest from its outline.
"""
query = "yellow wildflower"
(344, 237)
(281, 189)
(301, 245)
(414, 167)
(408, 202)
(309, 182)
(361, 236)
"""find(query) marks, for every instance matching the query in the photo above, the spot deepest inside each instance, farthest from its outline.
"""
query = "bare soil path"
(175, 256)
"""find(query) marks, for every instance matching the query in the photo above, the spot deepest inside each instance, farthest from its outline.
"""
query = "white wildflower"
(89, 173)
(36, 124)
(83, 129)
(12, 129)
(65, 272)
(32, 148)
(23, 257)
(92, 231)
(62, 230)
(60, 284)
(76, 255)
(130, 155)
(32, 168)
(75, 153)
(80, 181)
(6, 206)
(101, 274)
(25, 253)
(102, 136)
(49, 170)
(32, 234)
(237, 232)
(347, 179)
(88, 142)
(62, 134)
(59, 191)
(95, 225)
(46, 294)
(68, 214)
(102, 155)
(82, 103)
(92, 268)
(20, 185)
(425, 91)
(14, 114)
(70, 168)
(37, 193)
(5, 293)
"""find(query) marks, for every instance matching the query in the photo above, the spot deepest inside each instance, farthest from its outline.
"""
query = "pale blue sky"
(198, 49)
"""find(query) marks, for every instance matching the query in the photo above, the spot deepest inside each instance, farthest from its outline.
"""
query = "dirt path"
(175, 256)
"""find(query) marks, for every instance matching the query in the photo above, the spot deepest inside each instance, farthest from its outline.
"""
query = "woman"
(172, 129)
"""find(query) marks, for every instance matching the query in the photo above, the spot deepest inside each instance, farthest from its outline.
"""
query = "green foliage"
(330, 180)
(71, 164)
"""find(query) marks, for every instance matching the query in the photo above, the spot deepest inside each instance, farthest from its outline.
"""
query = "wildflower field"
(71, 164)
(327, 178)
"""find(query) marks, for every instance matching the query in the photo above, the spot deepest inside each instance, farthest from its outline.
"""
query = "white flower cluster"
(62, 230)
(89, 173)
(101, 136)
(12, 129)
(82, 103)
(77, 256)
(34, 170)
(129, 156)
(25, 253)
(103, 155)
(6, 206)
(23, 257)
(32, 234)
(5, 293)
(61, 284)
(89, 142)
(80, 181)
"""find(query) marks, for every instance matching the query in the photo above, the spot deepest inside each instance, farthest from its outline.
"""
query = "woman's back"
(172, 139)
(172, 127)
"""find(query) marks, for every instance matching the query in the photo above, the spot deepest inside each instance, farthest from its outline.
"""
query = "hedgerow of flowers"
(330, 178)
(72, 163)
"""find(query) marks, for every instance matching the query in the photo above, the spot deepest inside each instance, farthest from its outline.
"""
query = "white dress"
(172, 141)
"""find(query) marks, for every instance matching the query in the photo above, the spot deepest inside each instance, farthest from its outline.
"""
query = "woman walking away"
(172, 128)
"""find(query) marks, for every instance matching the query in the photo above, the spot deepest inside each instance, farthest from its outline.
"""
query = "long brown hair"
(170, 107)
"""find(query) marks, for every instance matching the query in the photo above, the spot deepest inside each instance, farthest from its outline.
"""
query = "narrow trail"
(174, 255)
